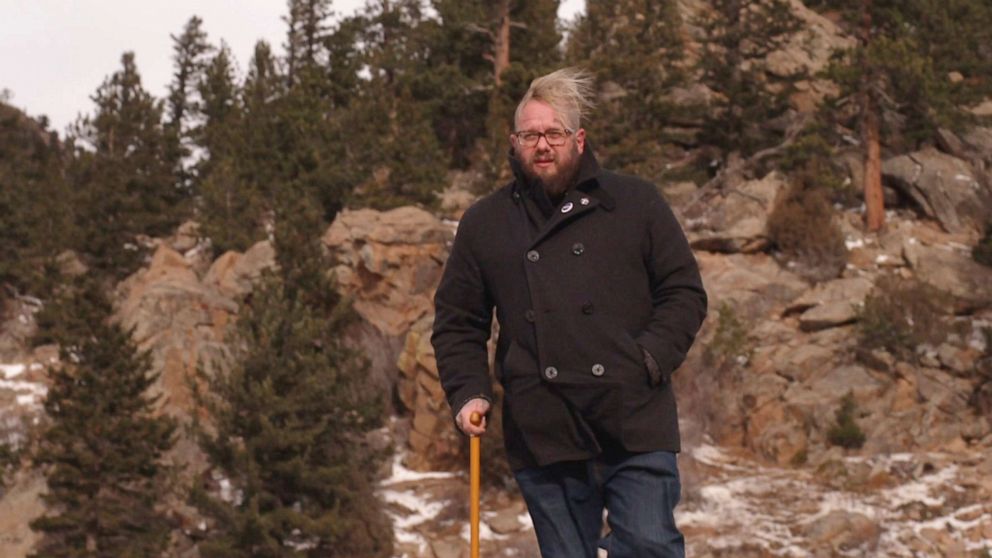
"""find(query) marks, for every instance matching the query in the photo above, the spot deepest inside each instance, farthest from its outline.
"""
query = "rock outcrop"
(944, 187)
(734, 219)
(184, 322)
(390, 263)
(434, 443)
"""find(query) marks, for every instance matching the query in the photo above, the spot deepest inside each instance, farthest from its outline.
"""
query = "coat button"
(567, 207)
(533, 255)
(587, 308)
(551, 372)
(598, 370)
(529, 316)
(578, 248)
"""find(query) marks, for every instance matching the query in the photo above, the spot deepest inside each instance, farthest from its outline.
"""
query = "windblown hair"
(569, 91)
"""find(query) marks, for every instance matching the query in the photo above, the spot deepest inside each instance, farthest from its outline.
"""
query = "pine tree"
(307, 23)
(189, 57)
(34, 201)
(393, 155)
(740, 34)
(102, 451)
(635, 50)
(231, 207)
(244, 184)
(123, 173)
(483, 57)
(289, 414)
(901, 72)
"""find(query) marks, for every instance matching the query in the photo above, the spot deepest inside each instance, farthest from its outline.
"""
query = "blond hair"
(568, 91)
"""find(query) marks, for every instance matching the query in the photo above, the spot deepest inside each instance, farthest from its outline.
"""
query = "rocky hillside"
(760, 391)
(838, 401)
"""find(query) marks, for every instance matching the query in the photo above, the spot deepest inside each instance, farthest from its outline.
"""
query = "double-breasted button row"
(578, 248)
(551, 372)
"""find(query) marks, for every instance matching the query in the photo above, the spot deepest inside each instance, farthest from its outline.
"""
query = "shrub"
(803, 229)
(981, 397)
(982, 252)
(731, 342)
(845, 432)
(899, 315)
(10, 458)
(799, 458)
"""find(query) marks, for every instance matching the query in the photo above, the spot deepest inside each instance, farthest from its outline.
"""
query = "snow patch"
(854, 243)
(745, 502)
(35, 391)
(400, 473)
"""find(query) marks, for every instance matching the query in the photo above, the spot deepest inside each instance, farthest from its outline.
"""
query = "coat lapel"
(575, 204)
(586, 196)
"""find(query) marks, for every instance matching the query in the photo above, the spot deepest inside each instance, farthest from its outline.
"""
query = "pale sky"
(55, 53)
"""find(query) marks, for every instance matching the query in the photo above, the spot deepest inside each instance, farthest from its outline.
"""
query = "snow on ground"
(408, 506)
(27, 393)
(926, 502)
(744, 502)
(401, 474)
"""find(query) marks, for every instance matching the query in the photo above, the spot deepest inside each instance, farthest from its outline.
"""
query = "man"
(598, 299)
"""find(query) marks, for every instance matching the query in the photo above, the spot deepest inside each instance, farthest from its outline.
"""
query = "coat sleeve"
(462, 325)
(677, 295)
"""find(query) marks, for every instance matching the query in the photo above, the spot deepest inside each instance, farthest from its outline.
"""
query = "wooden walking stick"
(475, 419)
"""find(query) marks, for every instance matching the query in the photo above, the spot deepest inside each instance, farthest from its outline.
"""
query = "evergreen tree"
(189, 53)
(123, 174)
(289, 414)
(231, 206)
(102, 451)
(220, 108)
(457, 80)
(483, 56)
(245, 138)
(635, 50)
(307, 24)
(393, 155)
(34, 201)
(740, 34)
(902, 74)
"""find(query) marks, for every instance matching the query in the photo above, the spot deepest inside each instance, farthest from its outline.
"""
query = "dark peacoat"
(583, 293)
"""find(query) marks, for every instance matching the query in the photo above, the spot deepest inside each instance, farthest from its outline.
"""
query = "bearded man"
(598, 299)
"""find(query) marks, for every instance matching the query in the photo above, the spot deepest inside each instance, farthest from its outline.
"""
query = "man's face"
(553, 166)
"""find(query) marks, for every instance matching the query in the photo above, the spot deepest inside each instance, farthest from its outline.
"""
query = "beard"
(556, 183)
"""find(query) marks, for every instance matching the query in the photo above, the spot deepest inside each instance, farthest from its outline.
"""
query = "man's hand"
(478, 405)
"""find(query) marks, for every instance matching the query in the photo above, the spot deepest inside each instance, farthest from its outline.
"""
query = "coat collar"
(586, 181)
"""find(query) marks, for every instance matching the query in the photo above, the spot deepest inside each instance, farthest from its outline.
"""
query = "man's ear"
(580, 139)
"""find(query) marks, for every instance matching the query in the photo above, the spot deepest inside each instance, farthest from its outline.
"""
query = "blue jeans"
(638, 490)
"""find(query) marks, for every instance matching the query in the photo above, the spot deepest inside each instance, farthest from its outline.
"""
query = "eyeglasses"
(554, 137)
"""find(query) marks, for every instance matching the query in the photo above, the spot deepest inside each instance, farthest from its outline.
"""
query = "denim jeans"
(639, 491)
